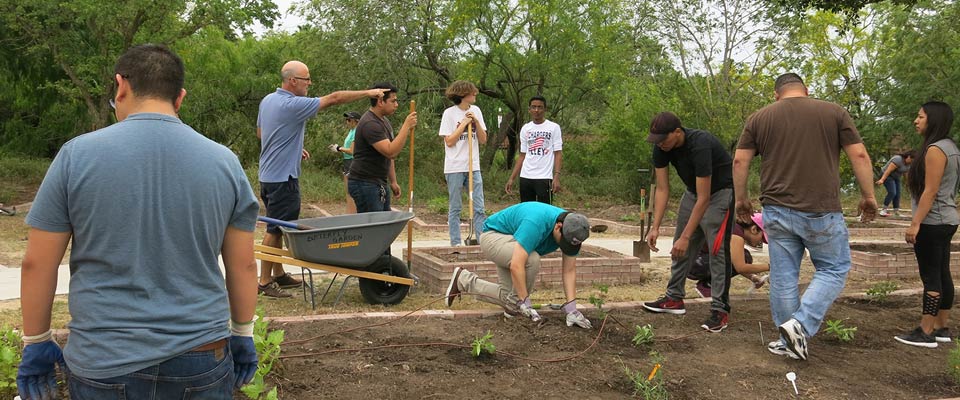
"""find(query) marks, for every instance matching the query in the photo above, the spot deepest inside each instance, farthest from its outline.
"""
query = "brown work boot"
(287, 281)
(272, 289)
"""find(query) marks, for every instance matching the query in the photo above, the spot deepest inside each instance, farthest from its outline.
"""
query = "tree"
(84, 42)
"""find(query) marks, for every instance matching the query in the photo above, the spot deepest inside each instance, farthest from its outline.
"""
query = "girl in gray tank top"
(934, 222)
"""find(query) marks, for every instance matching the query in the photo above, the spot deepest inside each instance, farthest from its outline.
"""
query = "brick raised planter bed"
(434, 266)
(892, 260)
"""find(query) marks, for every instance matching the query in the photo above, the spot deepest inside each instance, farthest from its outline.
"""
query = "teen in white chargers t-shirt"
(541, 156)
(453, 129)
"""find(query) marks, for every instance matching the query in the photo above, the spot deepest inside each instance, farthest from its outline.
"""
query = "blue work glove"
(244, 359)
(526, 308)
(36, 376)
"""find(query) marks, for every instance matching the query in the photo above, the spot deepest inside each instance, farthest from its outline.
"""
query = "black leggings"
(933, 257)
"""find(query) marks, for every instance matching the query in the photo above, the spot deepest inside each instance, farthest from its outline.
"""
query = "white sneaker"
(795, 338)
(883, 212)
(453, 289)
(777, 347)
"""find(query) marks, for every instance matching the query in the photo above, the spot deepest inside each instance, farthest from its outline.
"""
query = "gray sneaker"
(795, 337)
(273, 290)
(943, 335)
(777, 347)
(917, 338)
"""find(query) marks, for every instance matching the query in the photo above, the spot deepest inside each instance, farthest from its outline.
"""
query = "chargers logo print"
(538, 143)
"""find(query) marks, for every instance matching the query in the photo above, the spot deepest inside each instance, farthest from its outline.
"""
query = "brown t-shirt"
(799, 140)
(368, 164)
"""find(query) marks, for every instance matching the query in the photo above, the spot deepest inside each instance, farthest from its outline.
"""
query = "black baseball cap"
(352, 115)
(662, 125)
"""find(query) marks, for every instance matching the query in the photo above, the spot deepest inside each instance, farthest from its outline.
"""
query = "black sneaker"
(272, 290)
(716, 322)
(666, 305)
(453, 289)
(942, 335)
(917, 338)
(287, 281)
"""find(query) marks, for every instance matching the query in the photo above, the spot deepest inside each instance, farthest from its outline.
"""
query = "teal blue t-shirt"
(531, 224)
(349, 142)
(148, 200)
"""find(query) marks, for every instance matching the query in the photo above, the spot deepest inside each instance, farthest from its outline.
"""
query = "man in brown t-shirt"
(374, 148)
(799, 140)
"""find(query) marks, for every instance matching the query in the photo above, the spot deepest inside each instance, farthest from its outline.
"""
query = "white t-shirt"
(539, 142)
(455, 159)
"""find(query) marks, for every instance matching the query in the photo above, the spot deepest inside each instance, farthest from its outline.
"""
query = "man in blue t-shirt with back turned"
(515, 239)
(150, 204)
(281, 124)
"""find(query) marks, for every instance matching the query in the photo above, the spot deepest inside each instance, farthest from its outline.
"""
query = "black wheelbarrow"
(353, 245)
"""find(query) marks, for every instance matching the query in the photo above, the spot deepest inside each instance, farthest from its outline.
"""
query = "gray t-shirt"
(901, 167)
(944, 209)
(283, 121)
(148, 200)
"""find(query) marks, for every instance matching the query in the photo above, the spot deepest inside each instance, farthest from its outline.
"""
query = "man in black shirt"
(374, 149)
(705, 168)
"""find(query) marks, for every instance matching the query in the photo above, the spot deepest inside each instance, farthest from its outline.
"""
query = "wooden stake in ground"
(413, 108)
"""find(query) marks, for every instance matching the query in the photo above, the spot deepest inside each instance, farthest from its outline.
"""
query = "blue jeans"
(825, 236)
(893, 192)
(193, 375)
(369, 196)
(455, 184)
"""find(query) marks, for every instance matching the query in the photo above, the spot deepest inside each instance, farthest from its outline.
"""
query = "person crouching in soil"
(514, 239)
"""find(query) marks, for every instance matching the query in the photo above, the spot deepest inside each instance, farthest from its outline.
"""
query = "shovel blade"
(641, 250)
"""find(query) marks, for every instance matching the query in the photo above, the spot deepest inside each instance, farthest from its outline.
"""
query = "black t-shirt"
(368, 164)
(701, 155)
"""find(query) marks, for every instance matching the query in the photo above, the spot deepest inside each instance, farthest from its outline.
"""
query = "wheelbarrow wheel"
(382, 292)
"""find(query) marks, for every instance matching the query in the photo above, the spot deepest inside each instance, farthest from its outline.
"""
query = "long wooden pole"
(413, 108)
(470, 175)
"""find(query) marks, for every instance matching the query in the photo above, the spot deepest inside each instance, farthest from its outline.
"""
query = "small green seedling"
(643, 336)
(843, 333)
(879, 291)
(10, 352)
(953, 361)
(267, 343)
(598, 300)
(649, 386)
(483, 344)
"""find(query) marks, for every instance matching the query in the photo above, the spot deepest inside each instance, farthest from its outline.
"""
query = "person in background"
(743, 234)
(347, 150)
(453, 130)
(281, 125)
(897, 166)
(541, 156)
(933, 187)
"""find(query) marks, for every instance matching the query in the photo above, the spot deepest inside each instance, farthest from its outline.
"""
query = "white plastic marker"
(760, 325)
(792, 377)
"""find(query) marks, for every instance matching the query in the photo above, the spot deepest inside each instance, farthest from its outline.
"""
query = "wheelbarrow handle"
(285, 223)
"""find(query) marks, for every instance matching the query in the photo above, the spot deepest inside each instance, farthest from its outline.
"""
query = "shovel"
(470, 240)
(641, 249)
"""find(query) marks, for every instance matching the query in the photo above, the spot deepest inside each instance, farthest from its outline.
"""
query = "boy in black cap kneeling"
(514, 239)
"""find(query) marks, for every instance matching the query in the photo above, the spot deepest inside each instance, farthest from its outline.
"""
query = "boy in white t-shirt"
(541, 155)
(453, 129)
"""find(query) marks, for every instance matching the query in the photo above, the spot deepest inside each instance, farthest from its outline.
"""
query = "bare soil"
(430, 358)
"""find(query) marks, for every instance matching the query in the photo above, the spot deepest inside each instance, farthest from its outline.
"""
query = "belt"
(219, 344)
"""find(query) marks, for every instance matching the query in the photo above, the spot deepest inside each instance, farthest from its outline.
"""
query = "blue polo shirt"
(283, 121)
(531, 224)
(148, 200)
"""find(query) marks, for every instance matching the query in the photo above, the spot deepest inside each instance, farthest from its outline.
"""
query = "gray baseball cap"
(575, 229)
